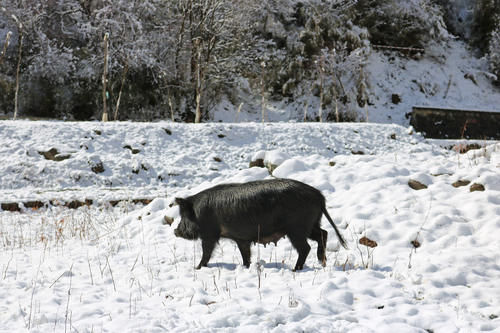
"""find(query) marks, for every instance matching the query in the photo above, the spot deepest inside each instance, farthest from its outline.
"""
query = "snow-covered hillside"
(106, 269)
(448, 75)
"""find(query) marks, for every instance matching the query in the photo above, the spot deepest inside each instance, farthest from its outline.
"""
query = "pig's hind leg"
(320, 236)
(299, 242)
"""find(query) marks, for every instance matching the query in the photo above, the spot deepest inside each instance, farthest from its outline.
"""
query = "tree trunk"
(263, 90)
(124, 76)
(104, 79)
(199, 83)
(321, 92)
(5, 46)
(16, 95)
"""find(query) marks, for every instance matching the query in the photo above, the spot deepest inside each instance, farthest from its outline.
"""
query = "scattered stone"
(257, 163)
(368, 242)
(53, 155)
(441, 174)
(34, 204)
(220, 136)
(416, 185)
(168, 220)
(96, 167)
(493, 316)
(461, 182)
(396, 99)
(471, 77)
(393, 136)
(142, 201)
(477, 187)
(332, 163)
(169, 132)
(62, 157)
(141, 167)
(98, 132)
(463, 148)
(217, 159)
(113, 203)
(49, 154)
(76, 203)
(10, 206)
(133, 150)
(357, 152)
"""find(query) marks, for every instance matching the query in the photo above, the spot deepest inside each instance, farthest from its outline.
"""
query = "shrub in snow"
(400, 22)
(494, 51)
(458, 16)
(473, 20)
(485, 21)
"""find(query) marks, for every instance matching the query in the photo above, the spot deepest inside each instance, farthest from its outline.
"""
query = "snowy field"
(121, 269)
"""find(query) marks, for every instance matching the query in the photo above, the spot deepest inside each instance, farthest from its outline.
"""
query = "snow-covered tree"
(178, 58)
(485, 20)
(494, 51)
(400, 22)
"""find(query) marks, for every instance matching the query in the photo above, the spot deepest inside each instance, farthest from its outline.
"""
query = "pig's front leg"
(208, 246)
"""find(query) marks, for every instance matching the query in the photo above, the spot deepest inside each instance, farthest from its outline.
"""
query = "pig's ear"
(180, 201)
(183, 203)
(186, 208)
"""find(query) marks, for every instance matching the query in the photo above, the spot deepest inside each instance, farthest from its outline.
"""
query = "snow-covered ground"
(112, 269)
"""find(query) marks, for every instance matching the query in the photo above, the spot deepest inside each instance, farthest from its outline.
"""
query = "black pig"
(261, 211)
